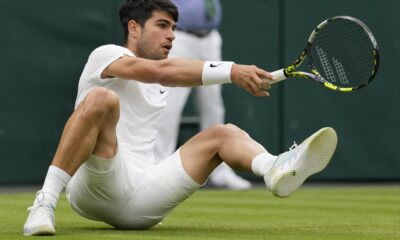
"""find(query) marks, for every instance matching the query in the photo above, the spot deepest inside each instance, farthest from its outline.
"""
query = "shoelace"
(293, 146)
(290, 149)
(39, 203)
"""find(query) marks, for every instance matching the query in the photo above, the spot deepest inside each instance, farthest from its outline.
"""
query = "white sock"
(262, 163)
(56, 180)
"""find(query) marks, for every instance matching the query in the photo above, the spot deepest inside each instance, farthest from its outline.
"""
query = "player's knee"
(235, 131)
(227, 131)
(232, 127)
(238, 132)
(101, 100)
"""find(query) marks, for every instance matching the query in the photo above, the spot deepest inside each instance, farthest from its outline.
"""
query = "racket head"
(342, 53)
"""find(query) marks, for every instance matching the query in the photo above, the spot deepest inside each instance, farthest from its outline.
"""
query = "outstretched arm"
(185, 73)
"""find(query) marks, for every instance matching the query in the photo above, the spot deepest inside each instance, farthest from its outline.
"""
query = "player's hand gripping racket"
(342, 55)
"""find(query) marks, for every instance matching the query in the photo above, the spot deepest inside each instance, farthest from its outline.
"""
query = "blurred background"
(45, 44)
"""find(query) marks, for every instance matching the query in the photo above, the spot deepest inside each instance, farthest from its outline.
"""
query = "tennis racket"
(342, 54)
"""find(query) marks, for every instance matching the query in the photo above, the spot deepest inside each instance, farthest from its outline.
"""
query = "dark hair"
(141, 11)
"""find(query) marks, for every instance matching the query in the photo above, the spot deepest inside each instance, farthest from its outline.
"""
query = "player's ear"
(134, 28)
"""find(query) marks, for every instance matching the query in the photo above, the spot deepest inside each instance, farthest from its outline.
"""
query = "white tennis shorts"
(128, 195)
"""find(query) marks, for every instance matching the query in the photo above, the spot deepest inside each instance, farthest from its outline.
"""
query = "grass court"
(313, 212)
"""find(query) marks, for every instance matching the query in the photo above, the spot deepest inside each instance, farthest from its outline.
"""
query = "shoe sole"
(41, 231)
(321, 146)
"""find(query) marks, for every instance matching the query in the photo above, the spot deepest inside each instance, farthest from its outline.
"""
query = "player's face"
(156, 37)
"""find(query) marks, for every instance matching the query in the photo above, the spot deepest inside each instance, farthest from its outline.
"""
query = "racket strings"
(343, 53)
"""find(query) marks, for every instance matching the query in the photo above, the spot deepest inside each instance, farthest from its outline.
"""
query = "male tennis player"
(105, 152)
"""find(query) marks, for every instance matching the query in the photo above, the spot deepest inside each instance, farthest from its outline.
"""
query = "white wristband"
(216, 72)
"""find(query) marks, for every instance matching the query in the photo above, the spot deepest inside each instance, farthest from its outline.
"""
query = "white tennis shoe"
(293, 167)
(41, 218)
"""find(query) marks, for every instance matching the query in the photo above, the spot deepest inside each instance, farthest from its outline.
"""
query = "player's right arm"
(184, 73)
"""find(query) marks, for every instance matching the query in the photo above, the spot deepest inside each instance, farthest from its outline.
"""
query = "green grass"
(311, 213)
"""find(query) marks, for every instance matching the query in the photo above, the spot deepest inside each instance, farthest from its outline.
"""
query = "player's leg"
(283, 174)
(90, 129)
(167, 136)
(211, 110)
(222, 142)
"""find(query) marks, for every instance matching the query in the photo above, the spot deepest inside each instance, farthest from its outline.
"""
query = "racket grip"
(278, 75)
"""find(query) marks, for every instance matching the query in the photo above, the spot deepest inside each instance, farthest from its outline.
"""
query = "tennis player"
(104, 158)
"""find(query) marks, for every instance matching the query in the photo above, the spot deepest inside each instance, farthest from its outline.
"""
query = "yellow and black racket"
(342, 55)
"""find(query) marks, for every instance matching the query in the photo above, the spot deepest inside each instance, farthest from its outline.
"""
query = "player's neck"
(132, 47)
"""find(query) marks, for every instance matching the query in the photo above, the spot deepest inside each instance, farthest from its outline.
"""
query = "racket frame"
(290, 71)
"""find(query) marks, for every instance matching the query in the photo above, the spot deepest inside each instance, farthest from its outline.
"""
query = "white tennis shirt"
(140, 103)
